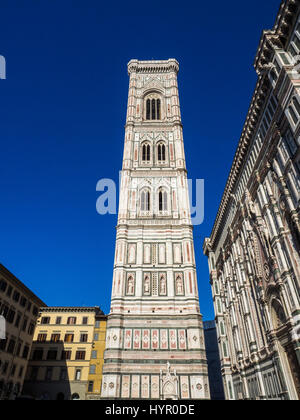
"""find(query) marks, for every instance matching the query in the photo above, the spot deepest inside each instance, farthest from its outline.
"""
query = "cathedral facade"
(253, 250)
(155, 342)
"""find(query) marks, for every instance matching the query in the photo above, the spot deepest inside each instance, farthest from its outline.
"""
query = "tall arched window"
(162, 200)
(161, 152)
(145, 200)
(153, 107)
(146, 152)
(148, 109)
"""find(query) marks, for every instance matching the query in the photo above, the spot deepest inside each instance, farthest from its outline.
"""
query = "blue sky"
(63, 109)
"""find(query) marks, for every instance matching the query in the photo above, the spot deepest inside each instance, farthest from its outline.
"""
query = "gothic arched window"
(161, 152)
(148, 109)
(153, 107)
(162, 200)
(146, 152)
(145, 200)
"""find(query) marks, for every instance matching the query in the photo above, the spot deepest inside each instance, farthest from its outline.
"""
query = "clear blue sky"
(63, 109)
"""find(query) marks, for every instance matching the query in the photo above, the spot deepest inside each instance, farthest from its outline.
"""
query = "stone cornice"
(54, 309)
(153, 66)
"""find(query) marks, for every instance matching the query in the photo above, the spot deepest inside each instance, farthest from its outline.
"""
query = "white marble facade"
(155, 347)
(254, 247)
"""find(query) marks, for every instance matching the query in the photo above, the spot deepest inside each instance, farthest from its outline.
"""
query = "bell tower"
(155, 342)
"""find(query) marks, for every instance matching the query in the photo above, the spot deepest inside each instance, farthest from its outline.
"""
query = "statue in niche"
(163, 285)
(147, 285)
(179, 286)
(130, 286)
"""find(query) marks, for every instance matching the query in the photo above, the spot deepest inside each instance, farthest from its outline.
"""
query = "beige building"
(97, 358)
(254, 246)
(19, 310)
(61, 354)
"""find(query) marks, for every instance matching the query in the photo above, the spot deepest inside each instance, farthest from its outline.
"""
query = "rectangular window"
(83, 338)
(45, 320)
(11, 316)
(4, 310)
(23, 301)
(92, 369)
(3, 285)
(66, 355)
(24, 324)
(16, 296)
(58, 320)
(94, 354)
(80, 355)
(55, 338)
(91, 386)
(3, 344)
(41, 338)
(25, 352)
(85, 320)
(69, 338)
(11, 346)
(9, 291)
(71, 320)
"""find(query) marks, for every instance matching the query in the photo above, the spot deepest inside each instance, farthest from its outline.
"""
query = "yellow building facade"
(63, 345)
(97, 359)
